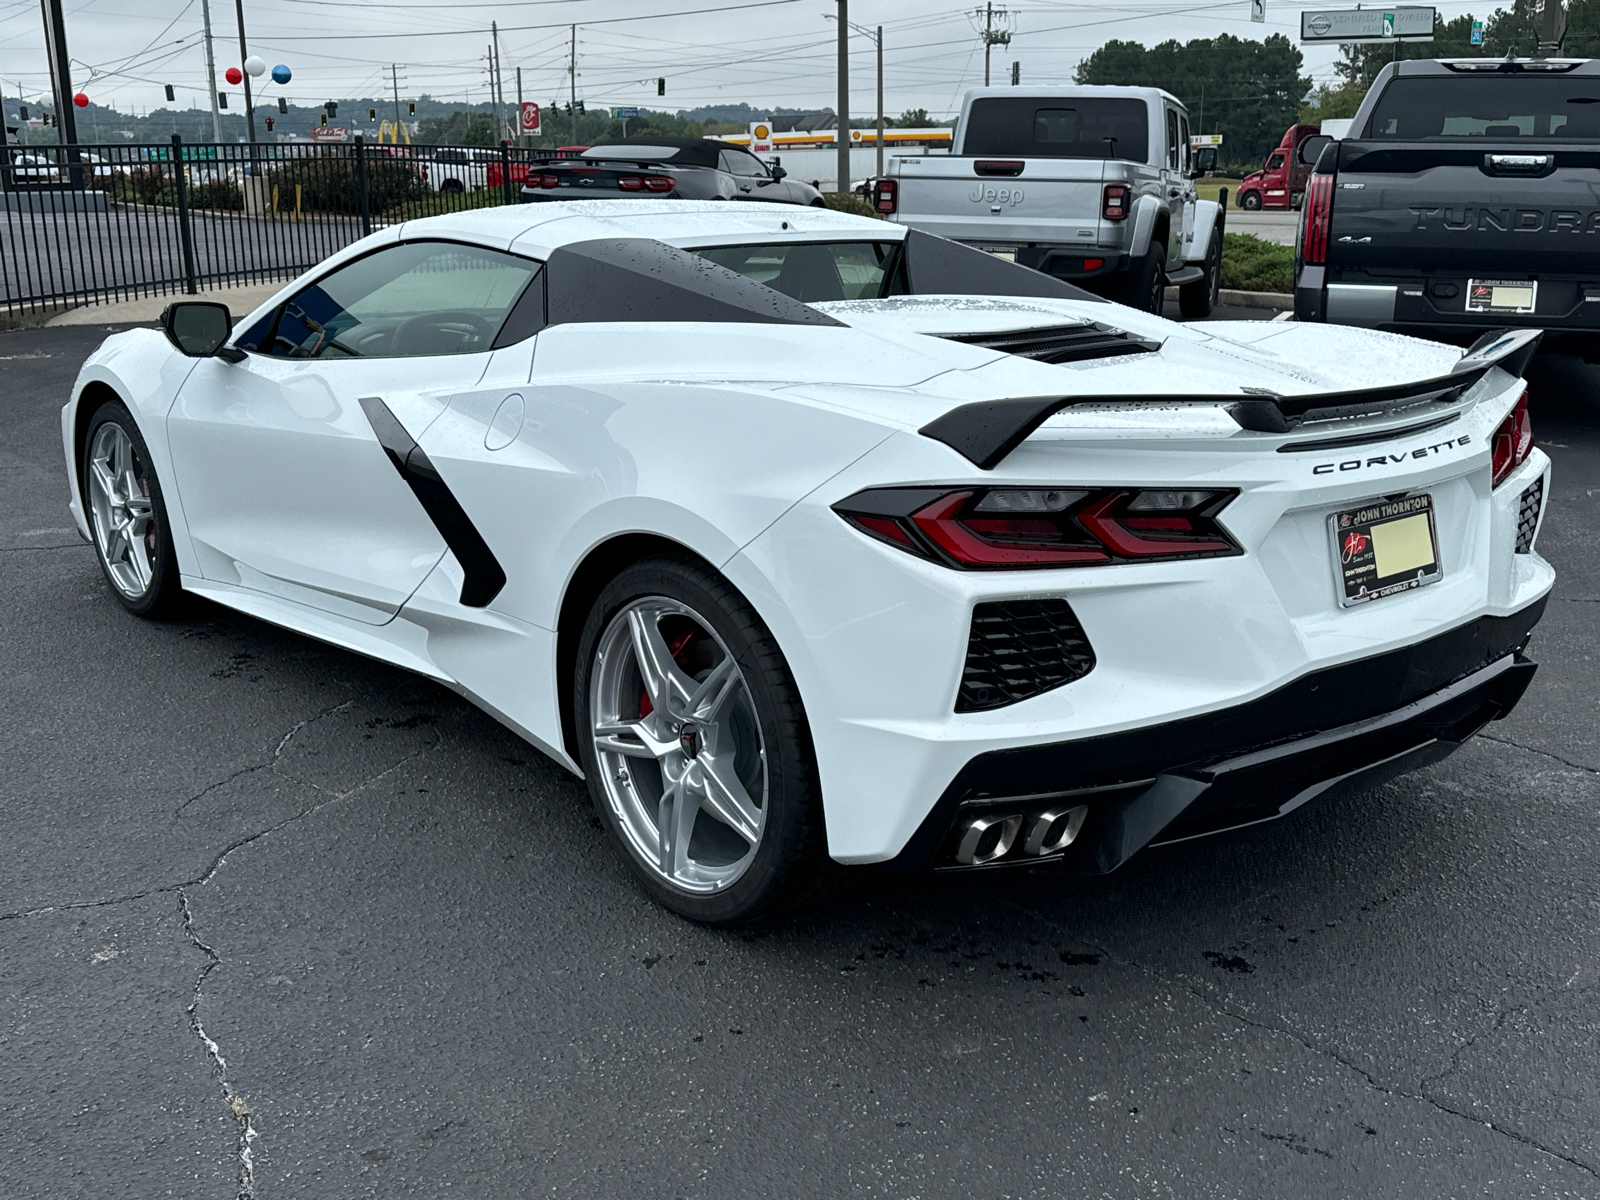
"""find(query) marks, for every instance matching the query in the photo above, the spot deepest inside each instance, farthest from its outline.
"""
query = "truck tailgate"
(1410, 205)
(989, 200)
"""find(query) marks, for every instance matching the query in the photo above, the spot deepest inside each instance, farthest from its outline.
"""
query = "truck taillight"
(886, 195)
(1317, 218)
(1114, 202)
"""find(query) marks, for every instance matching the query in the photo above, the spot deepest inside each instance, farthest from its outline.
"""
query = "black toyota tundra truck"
(1466, 198)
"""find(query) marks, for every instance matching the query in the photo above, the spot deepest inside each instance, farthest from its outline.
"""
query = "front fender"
(1208, 218)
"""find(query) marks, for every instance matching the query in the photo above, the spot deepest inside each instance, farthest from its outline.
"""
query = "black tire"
(163, 594)
(1250, 201)
(790, 863)
(1145, 287)
(1196, 300)
(451, 187)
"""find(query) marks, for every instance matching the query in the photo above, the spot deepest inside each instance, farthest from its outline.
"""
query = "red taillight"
(886, 195)
(1114, 202)
(658, 183)
(1513, 441)
(1318, 212)
(1093, 264)
(1012, 528)
(539, 179)
(630, 183)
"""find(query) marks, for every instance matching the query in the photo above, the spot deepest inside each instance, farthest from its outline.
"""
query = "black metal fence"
(91, 224)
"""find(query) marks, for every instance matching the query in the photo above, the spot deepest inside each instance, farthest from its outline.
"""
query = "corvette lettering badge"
(1390, 460)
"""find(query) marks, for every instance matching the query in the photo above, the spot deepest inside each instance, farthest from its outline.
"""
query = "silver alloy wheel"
(121, 512)
(679, 746)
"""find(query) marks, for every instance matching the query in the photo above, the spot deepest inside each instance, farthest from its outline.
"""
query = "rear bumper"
(1433, 306)
(1361, 722)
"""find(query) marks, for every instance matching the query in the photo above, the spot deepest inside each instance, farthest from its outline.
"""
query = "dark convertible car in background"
(669, 168)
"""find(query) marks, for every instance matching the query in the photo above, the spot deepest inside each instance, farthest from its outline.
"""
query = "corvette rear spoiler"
(985, 431)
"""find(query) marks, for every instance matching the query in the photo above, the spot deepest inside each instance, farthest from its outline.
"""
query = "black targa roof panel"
(688, 152)
(640, 279)
(934, 266)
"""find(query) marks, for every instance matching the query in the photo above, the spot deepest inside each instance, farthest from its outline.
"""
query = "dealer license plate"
(1009, 253)
(1384, 547)
(1502, 295)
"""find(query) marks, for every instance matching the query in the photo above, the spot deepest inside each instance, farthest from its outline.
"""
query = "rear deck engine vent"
(1528, 515)
(1061, 343)
(1019, 648)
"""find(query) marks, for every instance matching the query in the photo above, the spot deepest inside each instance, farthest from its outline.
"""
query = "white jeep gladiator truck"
(1094, 185)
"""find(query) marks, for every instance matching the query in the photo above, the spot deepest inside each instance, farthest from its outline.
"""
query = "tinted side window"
(737, 162)
(1086, 127)
(1172, 139)
(1491, 107)
(1183, 141)
(411, 300)
(1274, 162)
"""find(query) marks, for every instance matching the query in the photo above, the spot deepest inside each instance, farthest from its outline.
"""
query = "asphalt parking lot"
(277, 920)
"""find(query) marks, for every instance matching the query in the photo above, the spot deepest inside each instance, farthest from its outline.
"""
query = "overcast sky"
(763, 52)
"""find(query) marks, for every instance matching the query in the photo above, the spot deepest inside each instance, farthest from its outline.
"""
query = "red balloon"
(81, 100)
(233, 75)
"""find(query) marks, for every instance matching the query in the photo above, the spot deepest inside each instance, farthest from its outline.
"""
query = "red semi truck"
(1281, 183)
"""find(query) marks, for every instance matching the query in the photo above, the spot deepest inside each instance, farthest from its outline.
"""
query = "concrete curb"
(240, 298)
(1277, 301)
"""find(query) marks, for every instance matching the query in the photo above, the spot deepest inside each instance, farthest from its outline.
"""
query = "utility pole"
(519, 107)
(394, 79)
(991, 36)
(499, 83)
(843, 132)
(211, 72)
(244, 53)
(1552, 27)
(572, 78)
(55, 38)
(880, 100)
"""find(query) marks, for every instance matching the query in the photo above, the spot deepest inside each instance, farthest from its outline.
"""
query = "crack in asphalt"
(37, 549)
(1305, 1040)
(1489, 737)
(269, 761)
(235, 1102)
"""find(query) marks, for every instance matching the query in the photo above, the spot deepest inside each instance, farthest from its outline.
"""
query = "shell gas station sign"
(760, 136)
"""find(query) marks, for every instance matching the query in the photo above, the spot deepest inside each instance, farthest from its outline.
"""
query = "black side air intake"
(1528, 515)
(1019, 648)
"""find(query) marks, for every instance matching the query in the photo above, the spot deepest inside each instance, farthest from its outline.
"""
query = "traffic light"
(324, 120)
(661, 86)
(22, 112)
(372, 114)
(283, 105)
(271, 121)
(170, 96)
(411, 108)
(331, 108)
(580, 107)
(1016, 73)
(222, 99)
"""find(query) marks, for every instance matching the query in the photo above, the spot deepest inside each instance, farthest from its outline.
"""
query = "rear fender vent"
(1528, 515)
(1061, 343)
(1020, 648)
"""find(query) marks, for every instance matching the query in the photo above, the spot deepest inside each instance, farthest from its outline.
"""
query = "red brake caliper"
(678, 647)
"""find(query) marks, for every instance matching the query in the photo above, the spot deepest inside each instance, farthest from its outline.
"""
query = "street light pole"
(843, 132)
(244, 54)
(880, 100)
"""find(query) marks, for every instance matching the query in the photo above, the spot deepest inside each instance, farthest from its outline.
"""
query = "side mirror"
(1311, 149)
(199, 328)
(1203, 161)
(778, 172)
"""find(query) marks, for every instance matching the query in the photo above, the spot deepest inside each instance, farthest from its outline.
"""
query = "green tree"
(912, 118)
(1247, 91)
(458, 129)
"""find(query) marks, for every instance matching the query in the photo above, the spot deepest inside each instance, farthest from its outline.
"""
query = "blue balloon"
(281, 74)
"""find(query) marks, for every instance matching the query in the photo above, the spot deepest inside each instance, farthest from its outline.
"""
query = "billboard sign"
(625, 113)
(330, 133)
(530, 117)
(1412, 24)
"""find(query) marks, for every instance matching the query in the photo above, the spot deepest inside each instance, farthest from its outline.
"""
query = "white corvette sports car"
(805, 538)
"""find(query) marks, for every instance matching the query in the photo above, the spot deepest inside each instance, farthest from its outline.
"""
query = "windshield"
(811, 272)
(1081, 127)
(1487, 107)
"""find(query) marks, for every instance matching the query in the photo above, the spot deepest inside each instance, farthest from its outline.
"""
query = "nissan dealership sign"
(1367, 25)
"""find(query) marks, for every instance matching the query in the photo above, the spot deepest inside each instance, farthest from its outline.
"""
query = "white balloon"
(255, 65)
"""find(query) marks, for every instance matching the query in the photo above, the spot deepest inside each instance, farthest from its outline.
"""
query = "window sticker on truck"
(1501, 295)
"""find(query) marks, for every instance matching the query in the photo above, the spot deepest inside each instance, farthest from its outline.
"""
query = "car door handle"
(1173, 193)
